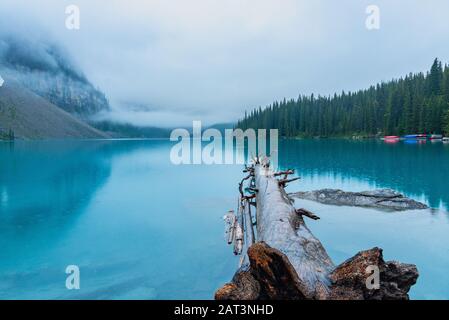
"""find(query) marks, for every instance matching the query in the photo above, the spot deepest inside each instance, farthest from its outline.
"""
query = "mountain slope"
(46, 69)
(30, 116)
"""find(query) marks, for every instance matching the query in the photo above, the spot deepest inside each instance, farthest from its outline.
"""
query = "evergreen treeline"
(418, 103)
(125, 130)
(7, 135)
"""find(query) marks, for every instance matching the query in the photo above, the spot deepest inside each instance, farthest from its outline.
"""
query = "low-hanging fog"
(167, 63)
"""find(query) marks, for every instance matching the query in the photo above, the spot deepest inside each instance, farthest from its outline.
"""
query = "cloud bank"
(178, 61)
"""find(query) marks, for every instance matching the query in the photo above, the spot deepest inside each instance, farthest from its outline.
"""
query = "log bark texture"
(269, 276)
(280, 227)
(288, 262)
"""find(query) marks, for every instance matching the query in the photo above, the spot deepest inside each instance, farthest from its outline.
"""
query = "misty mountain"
(127, 130)
(47, 70)
(26, 115)
(222, 126)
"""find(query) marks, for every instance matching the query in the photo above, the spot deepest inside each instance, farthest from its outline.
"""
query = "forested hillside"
(418, 103)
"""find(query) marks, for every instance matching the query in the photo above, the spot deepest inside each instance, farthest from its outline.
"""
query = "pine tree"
(435, 78)
(418, 103)
(446, 123)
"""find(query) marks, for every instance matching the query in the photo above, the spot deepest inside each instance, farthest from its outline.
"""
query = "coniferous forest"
(418, 103)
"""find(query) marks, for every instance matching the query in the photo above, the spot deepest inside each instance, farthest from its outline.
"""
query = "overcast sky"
(212, 59)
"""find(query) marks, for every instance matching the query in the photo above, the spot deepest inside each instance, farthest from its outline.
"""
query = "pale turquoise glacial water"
(141, 228)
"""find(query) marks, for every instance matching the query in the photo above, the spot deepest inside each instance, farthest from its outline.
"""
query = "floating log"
(289, 262)
(280, 227)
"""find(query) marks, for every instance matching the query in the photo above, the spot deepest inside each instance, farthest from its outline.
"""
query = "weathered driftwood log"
(289, 262)
(280, 227)
(270, 275)
(230, 224)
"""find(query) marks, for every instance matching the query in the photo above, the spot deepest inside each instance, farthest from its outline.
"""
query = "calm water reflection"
(419, 170)
(140, 227)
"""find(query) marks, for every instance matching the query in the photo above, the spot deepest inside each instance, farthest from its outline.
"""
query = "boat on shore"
(391, 138)
(436, 137)
(415, 136)
(423, 136)
(411, 136)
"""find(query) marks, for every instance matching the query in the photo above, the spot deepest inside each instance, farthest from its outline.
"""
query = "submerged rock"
(384, 199)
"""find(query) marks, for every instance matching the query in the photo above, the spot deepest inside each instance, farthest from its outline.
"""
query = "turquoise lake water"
(141, 228)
